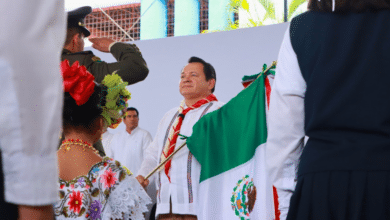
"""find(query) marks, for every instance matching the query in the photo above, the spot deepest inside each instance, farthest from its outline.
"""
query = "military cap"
(76, 19)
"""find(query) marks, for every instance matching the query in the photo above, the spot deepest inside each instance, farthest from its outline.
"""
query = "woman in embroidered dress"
(91, 187)
(332, 84)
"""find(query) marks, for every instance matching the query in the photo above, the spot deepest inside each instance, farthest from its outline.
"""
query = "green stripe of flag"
(228, 137)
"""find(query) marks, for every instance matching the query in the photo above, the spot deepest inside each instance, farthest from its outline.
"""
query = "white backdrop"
(232, 53)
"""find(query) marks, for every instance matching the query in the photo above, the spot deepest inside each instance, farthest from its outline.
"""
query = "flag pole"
(165, 161)
(274, 63)
(270, 67)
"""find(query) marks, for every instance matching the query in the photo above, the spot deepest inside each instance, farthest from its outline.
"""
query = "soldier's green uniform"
(130, 65)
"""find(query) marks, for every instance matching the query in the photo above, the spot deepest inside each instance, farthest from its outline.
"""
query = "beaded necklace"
(82, 143)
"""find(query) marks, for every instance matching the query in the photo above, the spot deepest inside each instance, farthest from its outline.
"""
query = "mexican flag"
(229, 145)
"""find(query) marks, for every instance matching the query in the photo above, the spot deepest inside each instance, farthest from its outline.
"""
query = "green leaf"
(244, 189)
(95, 192)
(65, 211)
(62, 194)
(122, 176)
(106, 192)
(236, 211)
(82, 211)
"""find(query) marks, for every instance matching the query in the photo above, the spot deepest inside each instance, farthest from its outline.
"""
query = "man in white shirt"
(128, 146)
(178, 181)
(31, 38)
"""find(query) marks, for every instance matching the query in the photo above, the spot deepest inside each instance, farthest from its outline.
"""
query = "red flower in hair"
(77, 81)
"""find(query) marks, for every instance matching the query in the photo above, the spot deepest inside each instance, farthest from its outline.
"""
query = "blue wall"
(187, 17)
(218, 15)
(154, 21)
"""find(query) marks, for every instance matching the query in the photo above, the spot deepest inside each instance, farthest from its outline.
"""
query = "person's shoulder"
(81, 53)
(109, 170)
(305, 19)
(119, 134)
(305, 15)
(219, 103)
(169, 114)
(85, 54)
(216, 105)
(85, 58)
(172, 111)
(141, 130)
(89, 56)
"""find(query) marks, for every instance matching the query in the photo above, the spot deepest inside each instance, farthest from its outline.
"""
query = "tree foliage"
(270, 14)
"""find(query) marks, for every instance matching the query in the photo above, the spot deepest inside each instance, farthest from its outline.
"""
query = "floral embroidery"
(108, 178)
(95, 210)
(75, 201)
(80, 181)
(87, 195)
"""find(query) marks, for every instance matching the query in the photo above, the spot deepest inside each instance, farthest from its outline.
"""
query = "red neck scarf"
(175, 130)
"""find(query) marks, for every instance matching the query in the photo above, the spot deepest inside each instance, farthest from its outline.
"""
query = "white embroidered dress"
(108, 191)
(185, 169)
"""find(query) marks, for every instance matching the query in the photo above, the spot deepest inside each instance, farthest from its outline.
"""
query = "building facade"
(152, 19)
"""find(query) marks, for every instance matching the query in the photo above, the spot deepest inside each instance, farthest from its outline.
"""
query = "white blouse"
(285, 124)
(31, 39)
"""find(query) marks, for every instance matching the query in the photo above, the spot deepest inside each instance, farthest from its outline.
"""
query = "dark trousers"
(8, 211)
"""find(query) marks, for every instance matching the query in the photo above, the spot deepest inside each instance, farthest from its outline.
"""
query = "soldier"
(130, 65)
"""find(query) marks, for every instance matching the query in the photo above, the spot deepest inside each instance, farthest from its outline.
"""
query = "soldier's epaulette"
(96, 59)
(77, 53)
(84, 52)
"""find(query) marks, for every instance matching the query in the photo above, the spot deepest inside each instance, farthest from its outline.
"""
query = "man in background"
(31, 38)
(128, 146)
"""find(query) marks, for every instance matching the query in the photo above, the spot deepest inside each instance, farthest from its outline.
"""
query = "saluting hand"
(101, 43)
